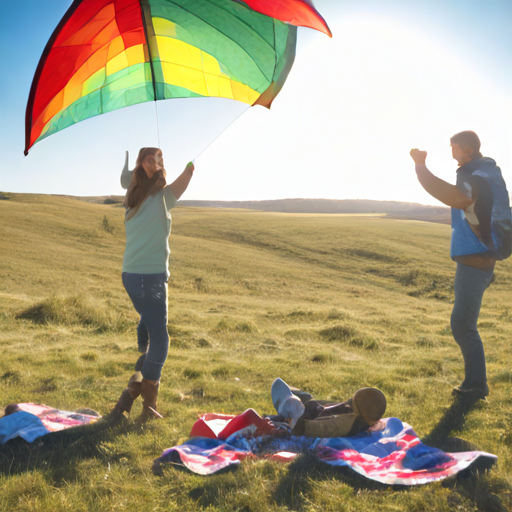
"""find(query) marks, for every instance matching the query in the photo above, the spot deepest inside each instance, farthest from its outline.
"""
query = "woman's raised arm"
(180, 184)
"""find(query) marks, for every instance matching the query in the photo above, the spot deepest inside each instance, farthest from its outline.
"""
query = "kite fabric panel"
(300, 13)
(108, 54)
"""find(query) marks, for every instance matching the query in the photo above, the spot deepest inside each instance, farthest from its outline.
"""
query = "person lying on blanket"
(322, 418)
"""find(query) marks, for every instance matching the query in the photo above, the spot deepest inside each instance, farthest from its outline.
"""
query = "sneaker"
(476, 392)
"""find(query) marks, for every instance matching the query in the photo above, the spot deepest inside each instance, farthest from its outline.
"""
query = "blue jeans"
(148, 293)
(470, 285)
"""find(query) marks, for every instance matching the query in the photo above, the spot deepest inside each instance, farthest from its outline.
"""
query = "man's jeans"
(470, 285)
(148, 293)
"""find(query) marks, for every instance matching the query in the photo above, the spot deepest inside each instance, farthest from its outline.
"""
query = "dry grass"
(328, 303)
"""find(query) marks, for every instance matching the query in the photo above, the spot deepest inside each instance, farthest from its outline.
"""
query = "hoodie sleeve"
(126, 175)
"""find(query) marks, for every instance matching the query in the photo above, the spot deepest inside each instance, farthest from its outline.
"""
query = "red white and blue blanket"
(32, 421)
(390, 452)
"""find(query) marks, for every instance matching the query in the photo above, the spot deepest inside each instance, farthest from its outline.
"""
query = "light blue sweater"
(147, 233)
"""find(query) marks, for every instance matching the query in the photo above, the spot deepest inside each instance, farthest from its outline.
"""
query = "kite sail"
(108, 54)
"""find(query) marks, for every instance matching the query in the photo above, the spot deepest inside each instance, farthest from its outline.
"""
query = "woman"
(146, 271)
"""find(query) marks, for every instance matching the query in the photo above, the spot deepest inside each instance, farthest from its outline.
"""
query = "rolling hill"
(329, 303)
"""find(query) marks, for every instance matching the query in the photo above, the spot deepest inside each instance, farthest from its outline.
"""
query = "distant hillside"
(96, 199)
(316, 205)
(393, 209)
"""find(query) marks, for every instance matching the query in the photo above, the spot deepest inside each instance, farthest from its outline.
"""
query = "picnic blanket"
(36, 420)
(390, 452)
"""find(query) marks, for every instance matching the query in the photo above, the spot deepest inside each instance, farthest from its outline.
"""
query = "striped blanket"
(390, 452)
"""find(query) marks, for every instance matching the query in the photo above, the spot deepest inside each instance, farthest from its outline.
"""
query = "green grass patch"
(75, 311)
(328, 303)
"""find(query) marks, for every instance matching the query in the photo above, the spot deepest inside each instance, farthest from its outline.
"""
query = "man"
(481, 235)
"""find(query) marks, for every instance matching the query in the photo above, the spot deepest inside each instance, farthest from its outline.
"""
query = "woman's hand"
(190, 168)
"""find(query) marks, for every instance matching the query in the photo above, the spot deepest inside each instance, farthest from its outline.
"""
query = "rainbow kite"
(109, 54)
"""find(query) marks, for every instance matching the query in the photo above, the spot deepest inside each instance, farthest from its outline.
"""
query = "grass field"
(328, 303)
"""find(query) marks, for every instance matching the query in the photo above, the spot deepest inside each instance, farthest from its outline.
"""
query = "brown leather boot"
(149, 393)
(128, 396)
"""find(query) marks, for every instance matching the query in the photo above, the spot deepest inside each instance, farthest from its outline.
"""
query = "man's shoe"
(475, 392)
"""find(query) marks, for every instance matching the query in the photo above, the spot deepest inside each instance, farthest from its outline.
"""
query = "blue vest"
(492, 208)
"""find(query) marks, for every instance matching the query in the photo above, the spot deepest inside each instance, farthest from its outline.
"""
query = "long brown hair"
(141, 186)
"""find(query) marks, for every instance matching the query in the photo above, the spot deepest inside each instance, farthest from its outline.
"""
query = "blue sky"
(396, 74)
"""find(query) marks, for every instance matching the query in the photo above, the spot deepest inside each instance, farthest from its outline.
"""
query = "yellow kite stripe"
(186, 66)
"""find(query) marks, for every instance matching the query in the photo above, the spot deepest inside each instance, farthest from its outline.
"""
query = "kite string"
(157, 125)
(129, 125)
(232, 122)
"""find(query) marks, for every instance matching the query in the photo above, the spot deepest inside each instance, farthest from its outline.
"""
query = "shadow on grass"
(453, 419)
(59, 452)
(470, 483)
(213, 492)
(294, 490)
